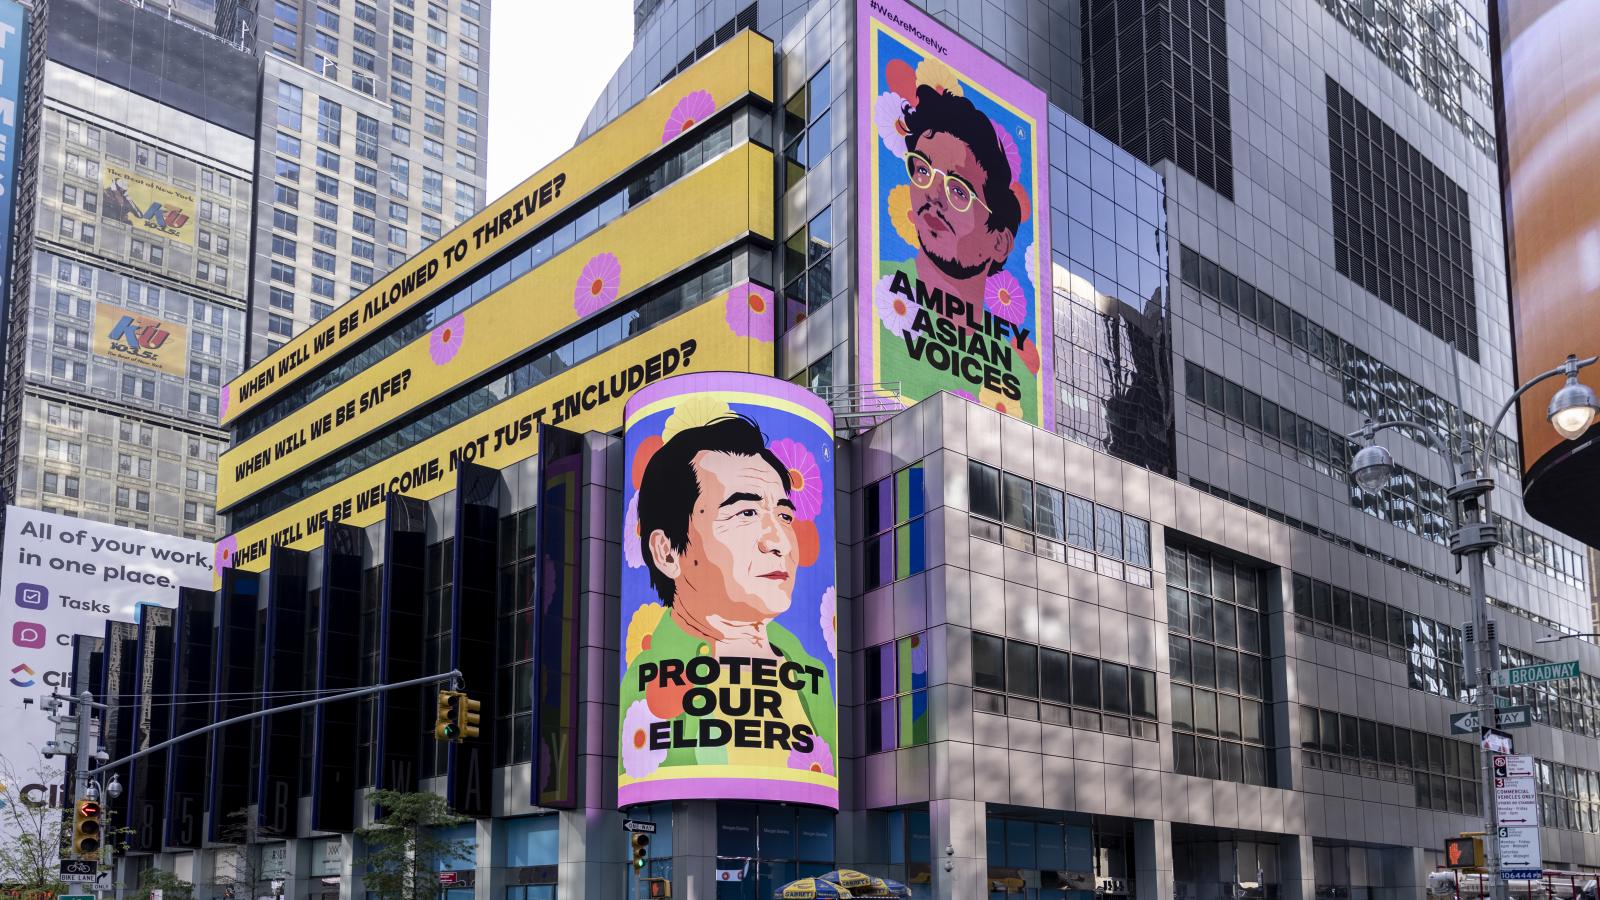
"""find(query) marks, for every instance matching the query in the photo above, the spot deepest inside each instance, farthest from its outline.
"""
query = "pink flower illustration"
(1003, 296)
(694, 107)
(888, 116)
(895, 311)
(445, 341)
(638, 760)
(226, 548)
(818, 759)
(632, 552)
(1009, 146)
(597, 284)
(828, 618)
(750, 312)
(805, 477)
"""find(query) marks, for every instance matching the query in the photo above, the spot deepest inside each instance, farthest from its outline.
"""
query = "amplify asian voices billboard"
(728, 594)
(954, 218)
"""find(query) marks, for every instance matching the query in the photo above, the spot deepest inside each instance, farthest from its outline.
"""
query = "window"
(1216, 653)
(281, 194)
(324, 261)
(808, 126)
(321, 286)
(895, 684)
(1039, 519)
(366, 200)
(466, 95)
(397, 236)
(364, 36)
(367, 129)
(329, 123)
(282, 246)
(398, 212)
(280, 298)
(362, 249)
(363, 224)
(808, 266)
(366, 175)
(432, 148)
(280, 326)
(360, 274)
(320, 310)
(282, 272)
(897, 543)
(326, 209)
(1052, 685)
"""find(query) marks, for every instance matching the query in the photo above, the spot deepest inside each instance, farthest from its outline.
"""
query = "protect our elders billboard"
(728, 594)
(954, 219)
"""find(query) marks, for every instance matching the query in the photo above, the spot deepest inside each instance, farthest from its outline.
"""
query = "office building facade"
(131, 266)
(373, 143)
(1122, 625)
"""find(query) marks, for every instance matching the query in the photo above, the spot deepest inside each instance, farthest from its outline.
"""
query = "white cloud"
(549, 61)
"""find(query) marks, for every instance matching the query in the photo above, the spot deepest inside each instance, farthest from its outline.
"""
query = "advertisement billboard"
(732, 330)
(728, 594)
(954, 219)
(141, 338)
(149, 203)
(710, 209)
(13, 65)
(1546, 54)
(741, 66)
(64, 576)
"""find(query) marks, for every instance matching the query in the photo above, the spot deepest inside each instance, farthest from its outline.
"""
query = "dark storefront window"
(1075, 858)
(770, 845)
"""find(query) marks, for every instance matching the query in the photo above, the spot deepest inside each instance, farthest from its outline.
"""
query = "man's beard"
(954, 268)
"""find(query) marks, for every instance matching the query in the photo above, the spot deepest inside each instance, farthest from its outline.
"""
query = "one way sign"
(637, 826)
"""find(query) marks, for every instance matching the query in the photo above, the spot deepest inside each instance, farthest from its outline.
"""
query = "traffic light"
(641, 848)
(86, 829)
(467, 718)
(657, 887)
(445, 726)
(1465, 852)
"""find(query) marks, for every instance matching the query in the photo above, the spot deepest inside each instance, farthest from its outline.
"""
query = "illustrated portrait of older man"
(962, 205)
(717, 535)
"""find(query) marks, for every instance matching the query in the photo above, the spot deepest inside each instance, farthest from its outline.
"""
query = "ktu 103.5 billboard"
(729, 607)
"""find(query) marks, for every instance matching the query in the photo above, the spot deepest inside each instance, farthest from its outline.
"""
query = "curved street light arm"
(1570, 367)
(1368, 431)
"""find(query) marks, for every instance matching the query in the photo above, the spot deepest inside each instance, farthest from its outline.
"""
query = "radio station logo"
(166, 217)
(25, 671)
(143, 339)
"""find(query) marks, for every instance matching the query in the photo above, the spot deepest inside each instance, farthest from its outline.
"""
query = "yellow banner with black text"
(742, 66)
(730, 332)
(710, 210)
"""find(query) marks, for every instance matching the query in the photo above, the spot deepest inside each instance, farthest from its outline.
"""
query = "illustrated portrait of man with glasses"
(962, 206)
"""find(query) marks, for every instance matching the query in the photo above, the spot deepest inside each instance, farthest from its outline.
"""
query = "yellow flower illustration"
(939, 76)
(900, 214)
(692, 413)
(641, 627)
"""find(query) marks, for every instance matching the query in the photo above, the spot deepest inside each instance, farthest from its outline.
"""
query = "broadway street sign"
(1531, 674)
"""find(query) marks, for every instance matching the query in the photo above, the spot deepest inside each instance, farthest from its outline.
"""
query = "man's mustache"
(927, 205)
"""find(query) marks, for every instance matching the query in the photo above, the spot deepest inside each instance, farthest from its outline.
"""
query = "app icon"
(28, 634)
(25, 672)
(32, 596)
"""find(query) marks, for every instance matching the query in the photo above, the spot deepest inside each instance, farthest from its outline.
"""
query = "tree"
(403, 848)
(171, 886)
(31, 831)
(240, 873)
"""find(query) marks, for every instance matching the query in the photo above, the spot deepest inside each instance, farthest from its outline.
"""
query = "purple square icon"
(32, 596)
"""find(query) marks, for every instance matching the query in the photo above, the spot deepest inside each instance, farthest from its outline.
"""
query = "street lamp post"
(1473, 535)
